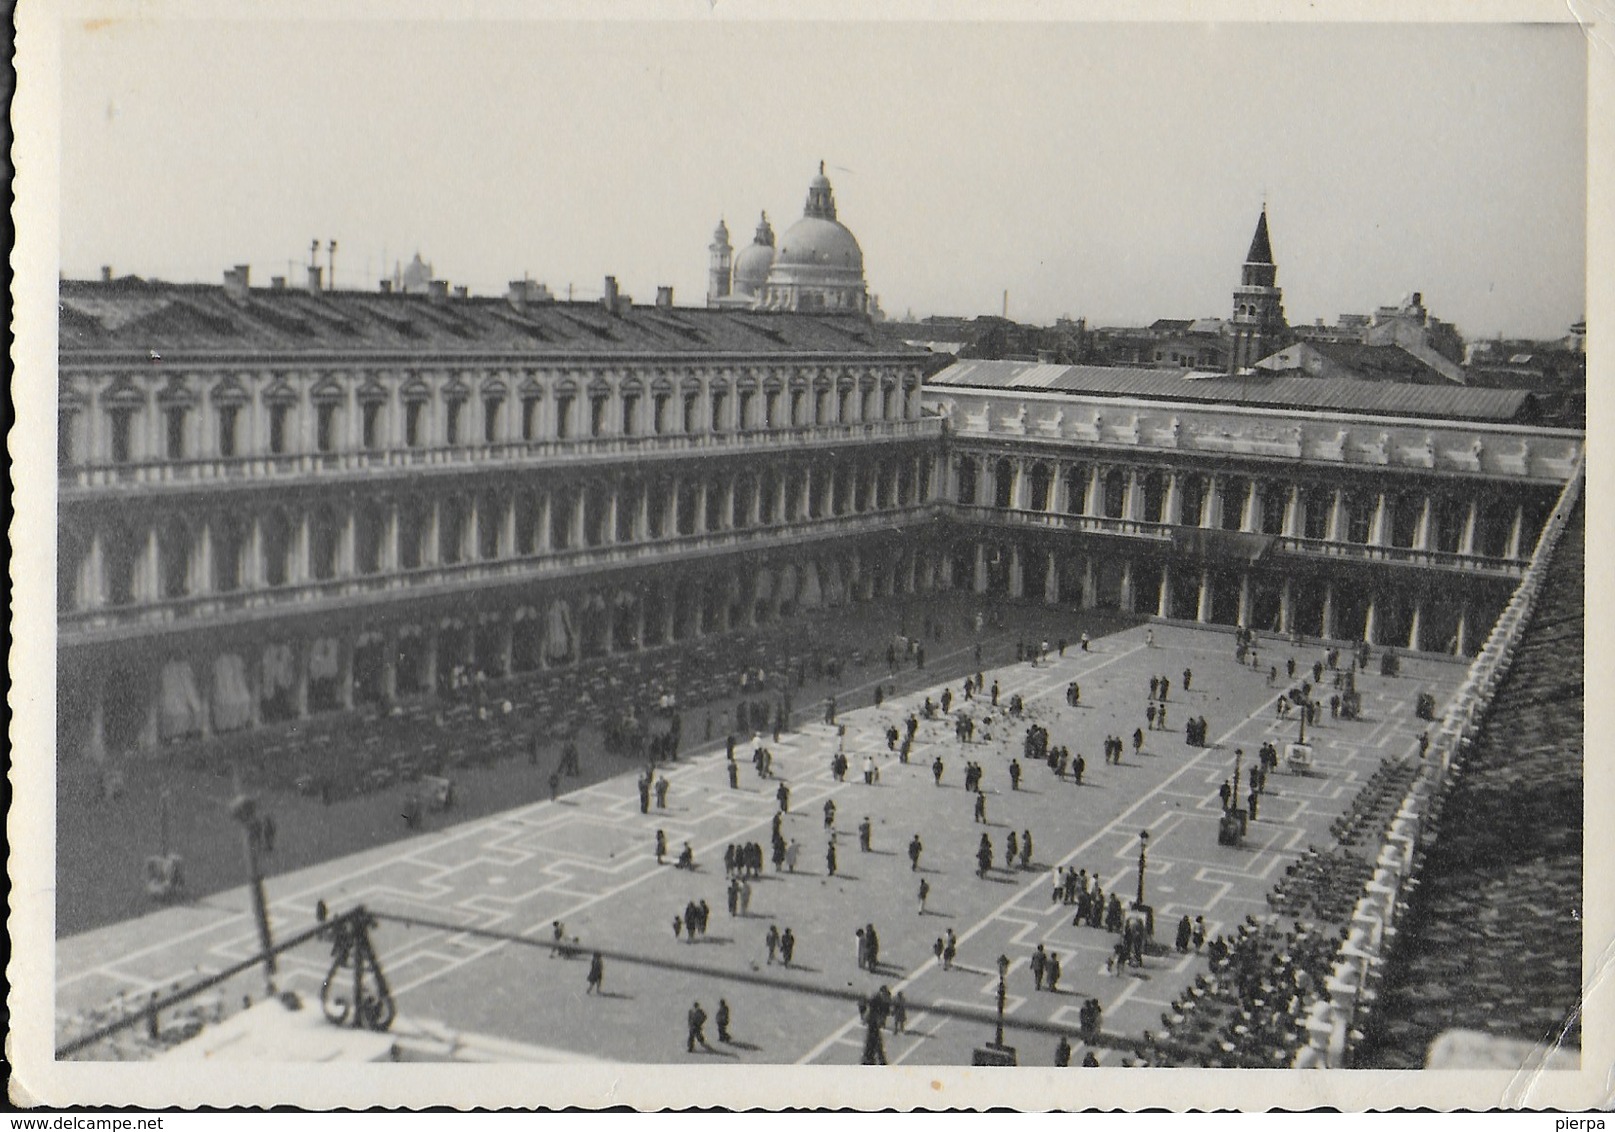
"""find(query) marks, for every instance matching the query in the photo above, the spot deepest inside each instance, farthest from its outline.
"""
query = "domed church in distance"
(817, 265)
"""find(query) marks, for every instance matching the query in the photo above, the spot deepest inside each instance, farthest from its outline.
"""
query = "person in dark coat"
(661, 845)
(914, 851)
(1051, 973)
(597, 974)
(1062, 1053)
(787, 946)
(830, 857)
(697, 1020)
(1185, 933)
(784, 796)
(723, 1020)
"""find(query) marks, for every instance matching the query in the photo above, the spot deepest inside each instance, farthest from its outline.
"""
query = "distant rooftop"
(1344, 395)
(135, 315)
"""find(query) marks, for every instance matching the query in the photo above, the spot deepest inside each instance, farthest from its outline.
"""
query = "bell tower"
(1258, 326)
(718, 273)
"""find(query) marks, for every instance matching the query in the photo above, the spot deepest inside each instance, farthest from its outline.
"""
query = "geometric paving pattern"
(588, 860)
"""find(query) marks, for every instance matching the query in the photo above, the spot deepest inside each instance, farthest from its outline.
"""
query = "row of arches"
(1489, 523)
(112, 559)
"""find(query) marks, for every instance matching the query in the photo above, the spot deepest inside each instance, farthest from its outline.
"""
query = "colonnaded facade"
(276, 503)
(1399, 515)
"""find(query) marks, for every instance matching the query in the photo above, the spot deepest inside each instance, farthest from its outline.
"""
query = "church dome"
(817, 241)
(754, 261)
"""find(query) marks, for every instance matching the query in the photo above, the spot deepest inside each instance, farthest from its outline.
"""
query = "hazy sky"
(1107, 170)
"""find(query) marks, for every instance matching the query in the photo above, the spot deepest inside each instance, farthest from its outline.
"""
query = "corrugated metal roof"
(1344, 395)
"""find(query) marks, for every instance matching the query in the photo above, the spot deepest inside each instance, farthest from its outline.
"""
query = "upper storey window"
(174, 431)
(743, 409)
(370, 424)
(490, 419)
(719, 402)
(325, 426)
(691, 402)
(530, 407)
(414, 423)
(454, 411)
(563, 415)
(659, 412)
(597, 414)
(278, 417)
(228, 417)
(122, 421)
(630, 413)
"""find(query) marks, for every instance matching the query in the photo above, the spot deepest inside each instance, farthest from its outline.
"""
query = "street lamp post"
(244, 808)
(1003, 972)
(1239, 760)
(1143, 850)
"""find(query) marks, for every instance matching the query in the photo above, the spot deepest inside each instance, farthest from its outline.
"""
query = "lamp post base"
(994, 1054)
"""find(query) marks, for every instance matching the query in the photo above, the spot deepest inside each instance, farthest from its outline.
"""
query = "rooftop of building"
(1493, 941)
(137, 315)
(1347, 395)
(1381, 363)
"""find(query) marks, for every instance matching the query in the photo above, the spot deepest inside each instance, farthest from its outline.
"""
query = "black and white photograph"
(793, 555)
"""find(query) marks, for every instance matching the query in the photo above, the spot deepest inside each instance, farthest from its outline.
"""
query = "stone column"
(579, 517)
(1090, 594)
(300, 651)
(429, 649)
(1211, 504)
(1059, 491)
(1414, 626)
(1371, 622)
(1287, 606)
(1202, 611)
(1017, 485)
(979, 582)
(1378, 533)
(546, 537)
(1127, 586)
(434, 546)
(1461, 645)
(611, 514)
(701, 507)
(1131, 496)
(1173, 502)
(1516, 533)
(1092, 503)
(1337, 519)
(1164, 605)
(1244, 615)
(1292, 513)
(1252, 510)
(1421, 532)
(1051, 580)
(95, 738)
(1017, 583)
(344, 676)
(1466, 541)
(347, 544)
(202, 560)
(389, 666)
(1327, 628)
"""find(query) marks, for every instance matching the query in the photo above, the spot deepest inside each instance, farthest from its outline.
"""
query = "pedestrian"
(950, 950)
(936, 770)
(829, 813)
(1149, 638)
(1040, 960)
(1062, 1053)
(1026, 848)
(1199, 932)
(1014, 774)
(914, 851)
(678, 927)
(830, 857)
(1012, 849)
(697, 1019)
(787, 946)
(899, 1013)
(784, 796)
(1155, 686)
(870, 773)
(1078, 767)
(925, 891)
(1051, 973)
(745, 904)
(597, 974)
(661, 793)
(1085, 642)
(792, 851)
(734, 775)
(1251, 801)
(1185, 933)
(1149, 714)
(722, 1019)
(1138, 740)
(661, 846)
(772, 940)
(981, 809)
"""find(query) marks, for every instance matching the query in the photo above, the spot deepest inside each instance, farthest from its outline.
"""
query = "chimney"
(235, 281)
(438, 290)
(462, 292)
(386, 286)
(277, 282)
(664, 297)
(106, 274)
(314, 276)
(609, 299)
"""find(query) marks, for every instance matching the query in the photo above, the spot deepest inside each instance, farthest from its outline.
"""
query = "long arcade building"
(276, 503)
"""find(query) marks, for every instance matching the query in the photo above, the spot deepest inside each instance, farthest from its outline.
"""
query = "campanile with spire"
(1258, 325)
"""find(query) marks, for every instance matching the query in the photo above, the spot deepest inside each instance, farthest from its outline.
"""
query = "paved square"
(589, 861)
